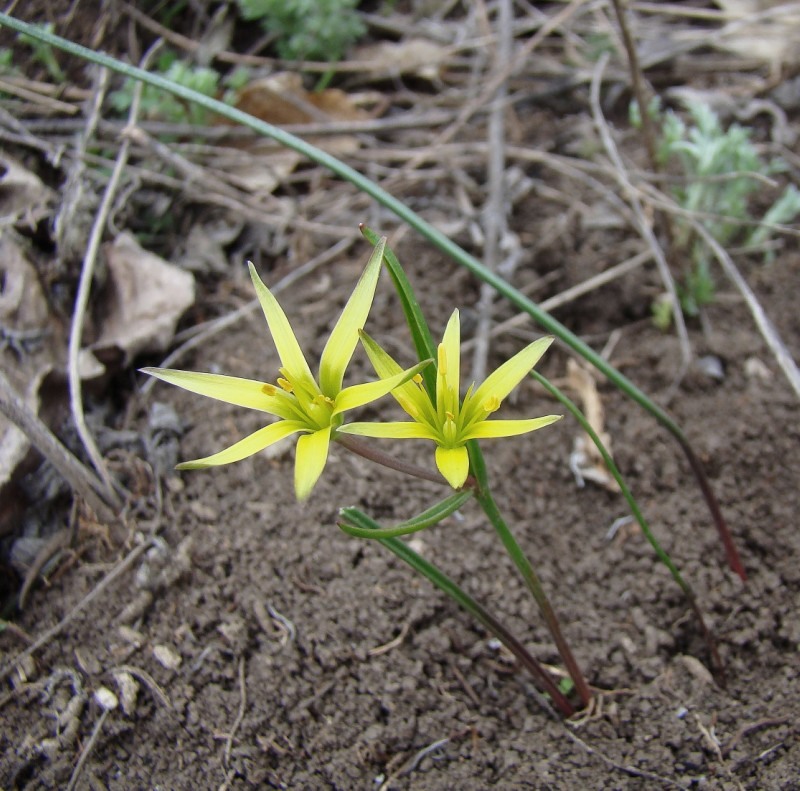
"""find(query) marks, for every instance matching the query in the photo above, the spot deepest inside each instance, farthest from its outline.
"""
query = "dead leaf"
(281, 99)
(586, 462)
(204, 247)
(23, 197)
(417, 56)
(147, 297)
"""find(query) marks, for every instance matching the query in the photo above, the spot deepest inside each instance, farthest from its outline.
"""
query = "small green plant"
(722, 170)
(308, 29)
(158, 104)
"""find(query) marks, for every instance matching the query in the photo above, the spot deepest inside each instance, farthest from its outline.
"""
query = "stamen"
(285, 384)
(417, 380)
(269, 389)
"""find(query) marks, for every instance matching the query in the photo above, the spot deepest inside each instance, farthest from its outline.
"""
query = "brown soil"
(271, 650)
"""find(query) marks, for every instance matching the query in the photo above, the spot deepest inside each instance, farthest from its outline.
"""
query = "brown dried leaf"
(23, 197)
(147, 297)
(585, 460)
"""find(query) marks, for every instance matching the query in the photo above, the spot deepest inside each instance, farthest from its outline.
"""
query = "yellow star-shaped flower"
(304, 405)
(451, 422)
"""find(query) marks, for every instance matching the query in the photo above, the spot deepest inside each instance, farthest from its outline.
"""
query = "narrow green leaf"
(352, 523)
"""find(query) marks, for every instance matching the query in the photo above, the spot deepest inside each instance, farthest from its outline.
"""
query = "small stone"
(167, 657)
(106, 699)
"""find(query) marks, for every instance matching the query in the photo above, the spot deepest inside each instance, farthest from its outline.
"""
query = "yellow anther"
(269, 389)
(417, 379)
(491, 404)
(450, 416)
(321, 399)
(285, 384)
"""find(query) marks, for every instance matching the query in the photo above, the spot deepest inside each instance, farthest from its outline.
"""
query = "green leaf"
(356, 523)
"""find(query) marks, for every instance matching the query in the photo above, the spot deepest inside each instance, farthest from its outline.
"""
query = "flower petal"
(344, 336)
(230, 389)
(256, 442)
(410, 396)
(448, 381)
(292, 357)
(453, 463)
(358, 395)
(390, 430)
(310, 458)
(491, 429)
(502, 381)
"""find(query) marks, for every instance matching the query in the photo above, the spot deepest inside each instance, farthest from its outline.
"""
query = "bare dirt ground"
(251, 644)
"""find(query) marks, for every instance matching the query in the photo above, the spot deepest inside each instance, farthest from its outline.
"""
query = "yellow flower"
(450, 422)
(314, 410)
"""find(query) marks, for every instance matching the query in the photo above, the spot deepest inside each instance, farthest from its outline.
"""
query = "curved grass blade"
(428, 518)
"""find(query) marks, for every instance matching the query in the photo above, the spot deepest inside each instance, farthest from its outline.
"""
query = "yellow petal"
(502, 381)
(310, 458)
(256, 442)
(292, 357)
(453, 463)
(490, 429)
(358, 395)
(448, 380)
(390, 430)
(410, 396)
(230, 389)
(344, 336)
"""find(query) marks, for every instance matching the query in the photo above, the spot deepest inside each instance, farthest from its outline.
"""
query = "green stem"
(661, 553)
(406, 214)
(465, 601)
(484, 497)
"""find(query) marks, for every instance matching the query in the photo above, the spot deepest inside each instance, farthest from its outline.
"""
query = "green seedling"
(160, 105)
(308, 29)
(721, 170)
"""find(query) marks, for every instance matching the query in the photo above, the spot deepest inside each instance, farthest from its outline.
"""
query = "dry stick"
(82, 300)
(765, 326)
(82, 480)
(495, 82)
(45, 638)
(638, 86)
(210, 329)
(494, 220)
(85, 284)
(87, 749)
(644, 228)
